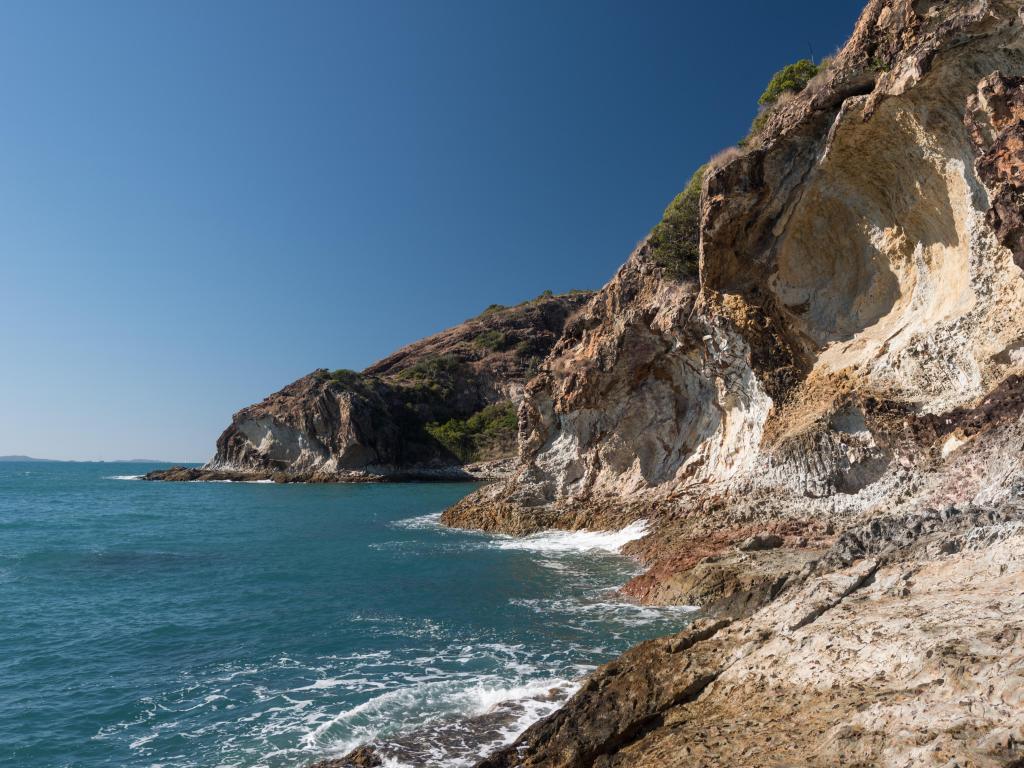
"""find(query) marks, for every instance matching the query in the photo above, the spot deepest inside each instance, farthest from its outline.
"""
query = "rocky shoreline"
(824, 429)
(908, 655)
(901, 643)
(476, 472)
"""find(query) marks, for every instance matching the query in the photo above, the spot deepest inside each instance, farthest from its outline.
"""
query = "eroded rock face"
(844, 380)
(858, 277)
(344, 425)
(995, 119)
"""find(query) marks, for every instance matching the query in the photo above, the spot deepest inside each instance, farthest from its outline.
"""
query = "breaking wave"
(274, 630)
(577, 541)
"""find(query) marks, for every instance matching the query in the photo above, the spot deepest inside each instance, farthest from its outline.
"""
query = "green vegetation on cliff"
(493, 340)
(344, 376)
(349, 381)
(790, 79)
(675, 241)
(488, 432)
(440, 375)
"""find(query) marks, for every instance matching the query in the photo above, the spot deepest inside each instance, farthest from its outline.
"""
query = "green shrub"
(792, 79)
(433, 369)
(434, 379)
(345, 377)
(527, 347)
(494, 340)
(675, 241)
(488, 431)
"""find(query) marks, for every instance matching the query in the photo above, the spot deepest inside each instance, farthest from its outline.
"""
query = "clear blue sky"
(202, 201)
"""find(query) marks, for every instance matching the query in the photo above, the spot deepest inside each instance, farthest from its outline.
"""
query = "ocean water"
(248, 624)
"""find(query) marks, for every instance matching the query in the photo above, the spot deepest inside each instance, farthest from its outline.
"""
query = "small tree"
(792, 79)
(675, 241)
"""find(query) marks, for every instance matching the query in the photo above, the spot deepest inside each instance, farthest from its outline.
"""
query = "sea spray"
(577, 541)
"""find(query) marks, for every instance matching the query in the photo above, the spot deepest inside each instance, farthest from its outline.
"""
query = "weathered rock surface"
(856, 326)
(348, 426)
(911, 663)
(843, 382)
(854, 296)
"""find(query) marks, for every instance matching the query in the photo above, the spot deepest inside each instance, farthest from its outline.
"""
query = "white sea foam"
(576, 541)
(527, 703)
(535, 706)
(596, 611)
(434, 698)
(517, 706)
(143, 740)
(123, 477)
(432, 520)
(413, 702)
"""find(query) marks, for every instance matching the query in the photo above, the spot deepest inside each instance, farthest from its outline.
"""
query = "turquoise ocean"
(250, 624)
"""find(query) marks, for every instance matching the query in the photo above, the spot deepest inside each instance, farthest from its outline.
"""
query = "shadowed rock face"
(994, 119)
(844, 379)
(345, 425)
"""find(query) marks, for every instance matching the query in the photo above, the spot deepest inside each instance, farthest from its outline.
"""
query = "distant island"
(21, 458)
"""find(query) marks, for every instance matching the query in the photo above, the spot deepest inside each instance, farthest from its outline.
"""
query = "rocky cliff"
(824, 428)
(427, 411)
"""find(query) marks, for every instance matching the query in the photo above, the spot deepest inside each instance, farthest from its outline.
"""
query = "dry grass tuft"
(723, 158)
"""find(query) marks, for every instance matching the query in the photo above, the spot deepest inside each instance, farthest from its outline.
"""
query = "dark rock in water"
(452, 740)
(360, 757)
(364, 757)
(191, 474)
(479, 471)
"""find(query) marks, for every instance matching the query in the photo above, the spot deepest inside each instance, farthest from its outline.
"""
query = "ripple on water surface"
(243, 625)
